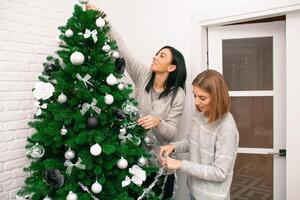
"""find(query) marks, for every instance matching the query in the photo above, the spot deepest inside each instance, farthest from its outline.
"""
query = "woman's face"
(162, 61)
(202, 100)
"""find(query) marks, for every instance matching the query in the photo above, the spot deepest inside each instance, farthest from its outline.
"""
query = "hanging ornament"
(100, 22)
(108, 99)
(121, 86)
(111, 80)
(130, 109)
(48, 68)
(122, 163)
(69, 33)
(77, 58)
(53, 178)
(43, 90)
(83, 1)
(115, 54)
(72, 196)
(93, 106)
(147, 140)
(85, 188)
(106, 48)
(96, 187)
(69, 154)
(37, 151)
(142, 161)
(118, 113)
(123, 131)
(120, 65)
(47, 198)
(70, 165)
(63, 131)
(92, 123)
(95, 150)
(39, 107)
(62, 98)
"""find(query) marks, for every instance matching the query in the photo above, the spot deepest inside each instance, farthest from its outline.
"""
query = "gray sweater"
(212, 151)
(168, 113)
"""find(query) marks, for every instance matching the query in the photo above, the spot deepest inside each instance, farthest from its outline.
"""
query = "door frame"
(199, 62)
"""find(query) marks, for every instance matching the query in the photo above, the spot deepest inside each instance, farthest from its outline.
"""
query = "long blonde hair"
(214, 84)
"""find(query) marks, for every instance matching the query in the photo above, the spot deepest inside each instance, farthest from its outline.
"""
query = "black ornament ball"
(48, 68)
(54, 178)
(120, 65)
(92, 122)
(118, 113)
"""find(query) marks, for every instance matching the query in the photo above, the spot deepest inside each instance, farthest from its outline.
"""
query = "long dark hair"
(175, 78)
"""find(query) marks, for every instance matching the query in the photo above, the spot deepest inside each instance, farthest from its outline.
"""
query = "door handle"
(282, 152)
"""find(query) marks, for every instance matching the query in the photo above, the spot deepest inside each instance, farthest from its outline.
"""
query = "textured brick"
(19, 163)
(19, 134)
(6, 136)
(4, 195)
(4, 176)
(12, 116)
(14, 125)
(12, 155)
(17, 144)
(12, 105)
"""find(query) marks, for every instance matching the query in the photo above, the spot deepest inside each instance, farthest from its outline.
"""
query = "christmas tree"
(86, 144)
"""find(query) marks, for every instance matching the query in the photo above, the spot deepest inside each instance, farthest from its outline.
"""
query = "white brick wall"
(28, 32)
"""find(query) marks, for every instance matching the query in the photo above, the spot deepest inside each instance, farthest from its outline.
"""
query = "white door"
(251, 57)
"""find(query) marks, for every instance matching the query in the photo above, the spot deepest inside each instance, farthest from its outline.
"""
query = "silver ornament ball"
(147, 140)
(72, 196)
(63, 131)
(69, 154)
(83, 1)
(142, 161)
(62, 98)
(115, 54)
(122, 163)
(77, 58)
(106, 48)
(37, 151)
(96, 188)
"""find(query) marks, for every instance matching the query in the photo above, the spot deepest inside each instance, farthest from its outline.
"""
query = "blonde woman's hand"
(172, 163)
(149, 122)
(165, 151)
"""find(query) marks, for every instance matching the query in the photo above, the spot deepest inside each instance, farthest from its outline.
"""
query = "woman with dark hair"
(160, 92)
(212, 142)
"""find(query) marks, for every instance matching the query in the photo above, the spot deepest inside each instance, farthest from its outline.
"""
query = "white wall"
(27, 36)
(292, 106)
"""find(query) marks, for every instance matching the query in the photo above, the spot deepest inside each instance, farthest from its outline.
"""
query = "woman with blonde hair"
(212, 142)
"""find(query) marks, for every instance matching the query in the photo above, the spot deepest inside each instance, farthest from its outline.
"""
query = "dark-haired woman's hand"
(149, 122)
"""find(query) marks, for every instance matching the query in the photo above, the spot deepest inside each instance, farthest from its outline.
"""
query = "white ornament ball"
(63, 131)
(115, 54)
(111, 80)
(106, 48)
(121, 86)
(95, 150)
(122, 163)
(47, 198)
(62, 98)
(96, 188)
(77, 58)
(72, 196)
(123, 131)
(100, 22)
(142, 161)
(108, 99)
(69, 154)
(69, 33)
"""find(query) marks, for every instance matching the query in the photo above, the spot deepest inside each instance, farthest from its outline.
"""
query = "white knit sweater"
(212, 151)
